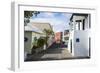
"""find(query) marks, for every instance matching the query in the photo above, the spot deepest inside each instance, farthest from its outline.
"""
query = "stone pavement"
(54, 52)
(62, 53)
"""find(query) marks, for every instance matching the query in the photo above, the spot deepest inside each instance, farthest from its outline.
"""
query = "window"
(66, 32)
(77, 40)
(83, 24)
(25, 39)
(66, 38)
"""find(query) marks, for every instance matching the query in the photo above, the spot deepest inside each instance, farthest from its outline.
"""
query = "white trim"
(18, 34)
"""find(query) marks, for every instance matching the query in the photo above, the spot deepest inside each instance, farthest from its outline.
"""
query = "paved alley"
(54, 52)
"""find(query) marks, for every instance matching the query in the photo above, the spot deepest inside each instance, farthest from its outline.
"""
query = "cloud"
(46, 15)
(49, 14)
(59, 21)
(68, 15)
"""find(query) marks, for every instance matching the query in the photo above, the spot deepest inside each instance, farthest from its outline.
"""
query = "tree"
(28, 15)
(48, 32)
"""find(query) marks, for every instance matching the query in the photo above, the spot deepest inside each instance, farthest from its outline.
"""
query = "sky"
(59, 21)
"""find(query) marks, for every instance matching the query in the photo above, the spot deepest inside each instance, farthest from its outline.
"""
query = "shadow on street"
(51, 53)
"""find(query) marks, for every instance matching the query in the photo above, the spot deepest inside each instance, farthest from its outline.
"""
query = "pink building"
(58, 37)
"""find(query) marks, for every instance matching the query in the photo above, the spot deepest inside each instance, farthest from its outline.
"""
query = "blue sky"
(59, 21)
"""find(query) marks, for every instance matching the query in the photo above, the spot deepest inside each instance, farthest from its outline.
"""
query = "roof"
(77, 14)
(32, 28)
(41, 25)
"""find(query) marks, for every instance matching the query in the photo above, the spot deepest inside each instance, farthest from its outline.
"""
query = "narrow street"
(54, 52)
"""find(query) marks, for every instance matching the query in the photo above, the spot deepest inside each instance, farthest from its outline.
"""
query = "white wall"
(81, 48)
(28, 43)
(71, 37)
(87, 22)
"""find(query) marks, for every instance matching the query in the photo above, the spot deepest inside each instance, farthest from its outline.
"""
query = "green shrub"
(40, 42)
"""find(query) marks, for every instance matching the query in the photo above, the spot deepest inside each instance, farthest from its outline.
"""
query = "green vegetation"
(28, 15)
(38, 43)
(48, 33)
(35, 41)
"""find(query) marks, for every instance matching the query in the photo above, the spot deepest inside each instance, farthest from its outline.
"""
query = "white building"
(42, 26)
(32, 31)
(29, 32)
(79, 40)
(65, 36)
